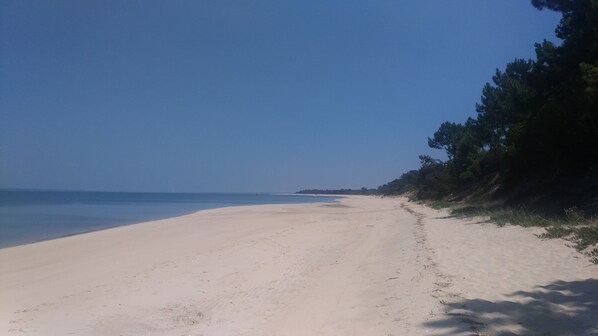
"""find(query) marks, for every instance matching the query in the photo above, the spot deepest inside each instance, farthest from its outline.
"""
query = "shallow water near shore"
(31, 216)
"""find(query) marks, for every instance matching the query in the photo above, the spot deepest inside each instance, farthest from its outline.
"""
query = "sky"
(242, 96)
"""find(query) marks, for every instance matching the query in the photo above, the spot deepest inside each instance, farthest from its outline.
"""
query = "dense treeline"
(535, 136)
(362, 191)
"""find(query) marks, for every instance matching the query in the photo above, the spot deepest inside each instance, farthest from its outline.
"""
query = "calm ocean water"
(29, 216)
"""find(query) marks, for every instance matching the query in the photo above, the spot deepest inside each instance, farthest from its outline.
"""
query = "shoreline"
(364, 266)
(157, 217)
(106, 228)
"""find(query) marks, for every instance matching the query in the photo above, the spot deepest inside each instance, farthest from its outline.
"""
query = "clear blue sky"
(219, 95)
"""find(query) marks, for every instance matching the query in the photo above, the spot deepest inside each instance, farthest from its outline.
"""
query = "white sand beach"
(363, 266)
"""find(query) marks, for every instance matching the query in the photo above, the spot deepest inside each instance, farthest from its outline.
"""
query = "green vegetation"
(530, 156)
(505, 215)
(534, 141)
(362, 191)
(575, 226)
(582, 237)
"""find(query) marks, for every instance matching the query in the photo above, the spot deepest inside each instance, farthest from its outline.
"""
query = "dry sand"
(364, 266)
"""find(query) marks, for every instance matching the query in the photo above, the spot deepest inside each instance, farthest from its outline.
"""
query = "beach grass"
(573, 225)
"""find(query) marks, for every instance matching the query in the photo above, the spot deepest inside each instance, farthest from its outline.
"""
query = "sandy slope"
(366, 266)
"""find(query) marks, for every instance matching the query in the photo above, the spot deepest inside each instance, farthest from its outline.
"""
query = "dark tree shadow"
(560, 308)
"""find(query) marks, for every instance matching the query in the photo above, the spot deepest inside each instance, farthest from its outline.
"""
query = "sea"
(28, 216)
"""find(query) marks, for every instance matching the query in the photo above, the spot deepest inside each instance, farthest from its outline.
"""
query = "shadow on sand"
(560, 308)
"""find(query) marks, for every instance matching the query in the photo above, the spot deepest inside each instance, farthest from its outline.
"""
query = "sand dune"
(364, 266)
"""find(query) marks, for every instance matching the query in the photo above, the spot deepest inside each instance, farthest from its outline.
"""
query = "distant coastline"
(362, 191)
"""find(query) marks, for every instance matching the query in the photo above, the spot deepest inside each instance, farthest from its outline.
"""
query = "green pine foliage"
(535, 137)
